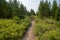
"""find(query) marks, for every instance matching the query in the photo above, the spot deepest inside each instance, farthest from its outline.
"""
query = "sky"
(31, 4)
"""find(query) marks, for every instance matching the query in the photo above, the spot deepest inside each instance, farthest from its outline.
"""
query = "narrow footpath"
(30, 34)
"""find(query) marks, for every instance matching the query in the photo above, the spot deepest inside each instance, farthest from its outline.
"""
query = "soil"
(30, 33)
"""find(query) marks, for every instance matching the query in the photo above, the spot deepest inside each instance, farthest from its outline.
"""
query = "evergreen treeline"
(14, 20)
(45, 9)
(13, 8)
(47, 24)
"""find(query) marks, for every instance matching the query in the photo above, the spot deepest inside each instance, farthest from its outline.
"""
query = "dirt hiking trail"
(30, 34)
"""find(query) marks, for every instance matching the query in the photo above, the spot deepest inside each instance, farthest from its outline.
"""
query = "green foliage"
(58, 13)
(32, 12)
(54, 8)
(41, 8)
(45, 9)
(3, 10)
(13, 29)
(11, 9)
(47, 29)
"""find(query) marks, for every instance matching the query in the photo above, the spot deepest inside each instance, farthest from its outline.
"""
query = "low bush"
(13, 29)
(45, 30)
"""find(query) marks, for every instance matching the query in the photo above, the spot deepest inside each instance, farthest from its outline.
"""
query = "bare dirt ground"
(29, 34)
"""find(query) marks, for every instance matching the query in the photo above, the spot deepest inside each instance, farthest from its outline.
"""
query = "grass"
(47, 29)
(12, 29)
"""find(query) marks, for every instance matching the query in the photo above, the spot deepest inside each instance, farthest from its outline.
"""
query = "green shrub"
(47, 29)
(10, 30)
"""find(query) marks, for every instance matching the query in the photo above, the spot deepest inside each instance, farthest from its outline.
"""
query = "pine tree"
(15, 8)
(32, 12)
(41, 9)
(54, 8)
(58, 13)
(3, 9)
(10, 9)
(47, 9)
(44, 9)
(23, 11)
